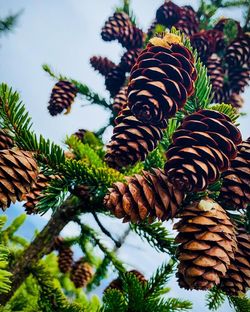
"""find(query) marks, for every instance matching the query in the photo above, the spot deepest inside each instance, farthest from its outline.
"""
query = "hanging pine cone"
(132, 140)
(62, 97)
(81, 273)
(202, 147)
(5, 140)
(102, 64)
(238, 52)
(238, 79)
(115, 80)
(147, 195)
(18, 173)
(168, 14)
(236, 100)
(161, 80)
(188, 22)
(215, 71)
(119, 27)
(202, 44)
(220, 25)
(120, 100)
(65, 255)
(129, 58)
(235, 190)
(237, 279)
(207, 245)
(80, 134)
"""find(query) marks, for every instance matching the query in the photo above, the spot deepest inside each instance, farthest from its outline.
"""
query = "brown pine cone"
(238, 52)
(132, 140)
(235, 191)
(237, 279)
(215, 72)
(161, 80)
(238, 78)
(102, 64)
(18, 174)
(129, 58)
(147, 195)
(202, 147)
(217, 40)
(80, 134)
(139, 276)
(222, 95)
(65, 259)
(81, 273)
(202, 44)
(236, 100)
(115, 80)
(62, 97)
(119, 27)
(120, 100)
(207, 245)
(188, 22)
(168, 14)
(220, 25)
(5, 140)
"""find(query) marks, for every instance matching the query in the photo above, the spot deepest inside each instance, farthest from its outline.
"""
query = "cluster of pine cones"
(81, 271)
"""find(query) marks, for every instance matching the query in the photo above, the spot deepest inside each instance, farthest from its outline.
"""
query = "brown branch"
(42, 245)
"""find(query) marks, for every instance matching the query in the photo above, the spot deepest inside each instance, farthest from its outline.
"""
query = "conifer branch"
(8, 23)
(215, 298)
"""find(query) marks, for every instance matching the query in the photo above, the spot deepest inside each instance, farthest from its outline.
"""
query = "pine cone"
(168, 14)
(161, 80)
(82, 191)
(18, 173)
(120, 100)
(207, 245)
(238, 79)
(80, 134)
(115, 80)
(102, 64)
(129, 58)
(81, 273)
(235, 191)
(216, 39)
(62, 97)
(202, 44)
(236, 100)
(215, 72)
(147, 195)
(238, 52)
(65, 259)
(202, 148)
(132, 140)
(220, 25)
(188, 22)
(5, 140)
(121, 28)
(237, 279)
(222, 95)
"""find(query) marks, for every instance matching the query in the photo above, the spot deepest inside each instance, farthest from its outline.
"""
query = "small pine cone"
(202, 44)
(238, 52)
(215, 72)
(65, 259)
(168, 14)
(120, 100)
(161, 80)
(81, 273)
(235, 191)
(147, 195)
(18, 174)
(238, 79)
(129, 58)
(222, 95)
(237, 279)
(207, 245)
(115, 80)
(236, 100)
(80, 134)
(5, 140)
(132, 140)
(139, 276)
(202, 147)
(62, 97)
(223, 21)
(102, 64)
(188, 22)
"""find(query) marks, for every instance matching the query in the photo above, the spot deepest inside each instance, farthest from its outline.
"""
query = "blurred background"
(65, 34)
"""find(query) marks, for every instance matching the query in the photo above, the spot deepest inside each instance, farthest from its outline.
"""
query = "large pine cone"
(18, 174)
(81, 273)
(115, 80)
(202, 148)
(102, 64)
(238, 78)
(129, 58)
(237, 279)
(132, 140)
(147, 195)
(62, 97)
(168, 14)
(160, 81)
(119, 27)
(120, 100)
(207, 245)
(238, 52)
(6, 141)
(236, 180)
(215, 71)
(188, 22)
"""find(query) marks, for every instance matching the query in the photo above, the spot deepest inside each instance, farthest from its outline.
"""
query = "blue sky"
(65, 34)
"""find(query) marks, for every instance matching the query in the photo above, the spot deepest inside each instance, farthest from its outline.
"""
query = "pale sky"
(65, 34)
